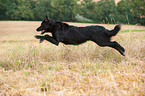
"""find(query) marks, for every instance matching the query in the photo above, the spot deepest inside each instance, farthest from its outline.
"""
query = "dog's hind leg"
(114, 45)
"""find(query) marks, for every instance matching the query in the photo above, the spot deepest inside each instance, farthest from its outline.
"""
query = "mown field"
(28, 68)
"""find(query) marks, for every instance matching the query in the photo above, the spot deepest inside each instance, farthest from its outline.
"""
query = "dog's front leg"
(48, 38)
(51, 39)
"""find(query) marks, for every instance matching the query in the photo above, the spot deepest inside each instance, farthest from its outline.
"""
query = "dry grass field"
(28, 68)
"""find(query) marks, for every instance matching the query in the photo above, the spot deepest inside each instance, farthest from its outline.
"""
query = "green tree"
(16, 10)
(138, 9)
(65, 10)
(132, 11)
(71, 9)
(107, 11)
(3, 9)
(88, 8)
(124, 8)
(42, 8)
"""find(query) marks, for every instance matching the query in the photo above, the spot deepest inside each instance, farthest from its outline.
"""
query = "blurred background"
(28, 68)
(95, 11)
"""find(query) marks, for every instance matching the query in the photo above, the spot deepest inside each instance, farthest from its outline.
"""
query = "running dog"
(64, 33)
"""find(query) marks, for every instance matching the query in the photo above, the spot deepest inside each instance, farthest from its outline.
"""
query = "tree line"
(103, 11)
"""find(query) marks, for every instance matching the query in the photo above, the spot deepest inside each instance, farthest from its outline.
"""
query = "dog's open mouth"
(42, 31)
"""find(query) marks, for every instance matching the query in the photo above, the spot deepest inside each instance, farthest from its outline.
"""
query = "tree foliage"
(16, 10)
(103, 11)
(108, 11)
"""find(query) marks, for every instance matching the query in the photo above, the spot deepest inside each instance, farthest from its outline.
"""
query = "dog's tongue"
(42, 31)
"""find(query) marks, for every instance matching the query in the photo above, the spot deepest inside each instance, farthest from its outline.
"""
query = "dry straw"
(28, 68)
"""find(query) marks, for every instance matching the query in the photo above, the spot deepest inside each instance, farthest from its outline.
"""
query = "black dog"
(62, 32)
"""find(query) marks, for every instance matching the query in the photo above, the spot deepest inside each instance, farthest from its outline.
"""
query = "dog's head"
(46, 26)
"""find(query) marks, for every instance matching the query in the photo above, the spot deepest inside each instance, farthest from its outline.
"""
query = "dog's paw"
(38, 37)
(41, 40)
(123, 54)
(122, 49)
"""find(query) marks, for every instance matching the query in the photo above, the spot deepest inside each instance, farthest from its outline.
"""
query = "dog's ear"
(47, 18)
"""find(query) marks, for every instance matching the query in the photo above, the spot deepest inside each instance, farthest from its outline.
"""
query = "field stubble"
(33, 69)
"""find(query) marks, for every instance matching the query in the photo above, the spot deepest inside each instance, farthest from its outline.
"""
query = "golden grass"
(33, 69)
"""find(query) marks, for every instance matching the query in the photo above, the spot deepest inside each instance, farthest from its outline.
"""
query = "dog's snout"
(38, 29)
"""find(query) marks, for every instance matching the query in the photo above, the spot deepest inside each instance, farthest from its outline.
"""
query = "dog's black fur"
(62, 32)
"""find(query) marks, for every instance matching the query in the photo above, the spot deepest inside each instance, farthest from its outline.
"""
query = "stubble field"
(28, 68)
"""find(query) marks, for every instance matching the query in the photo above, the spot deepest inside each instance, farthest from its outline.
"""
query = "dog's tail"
(114, 31)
